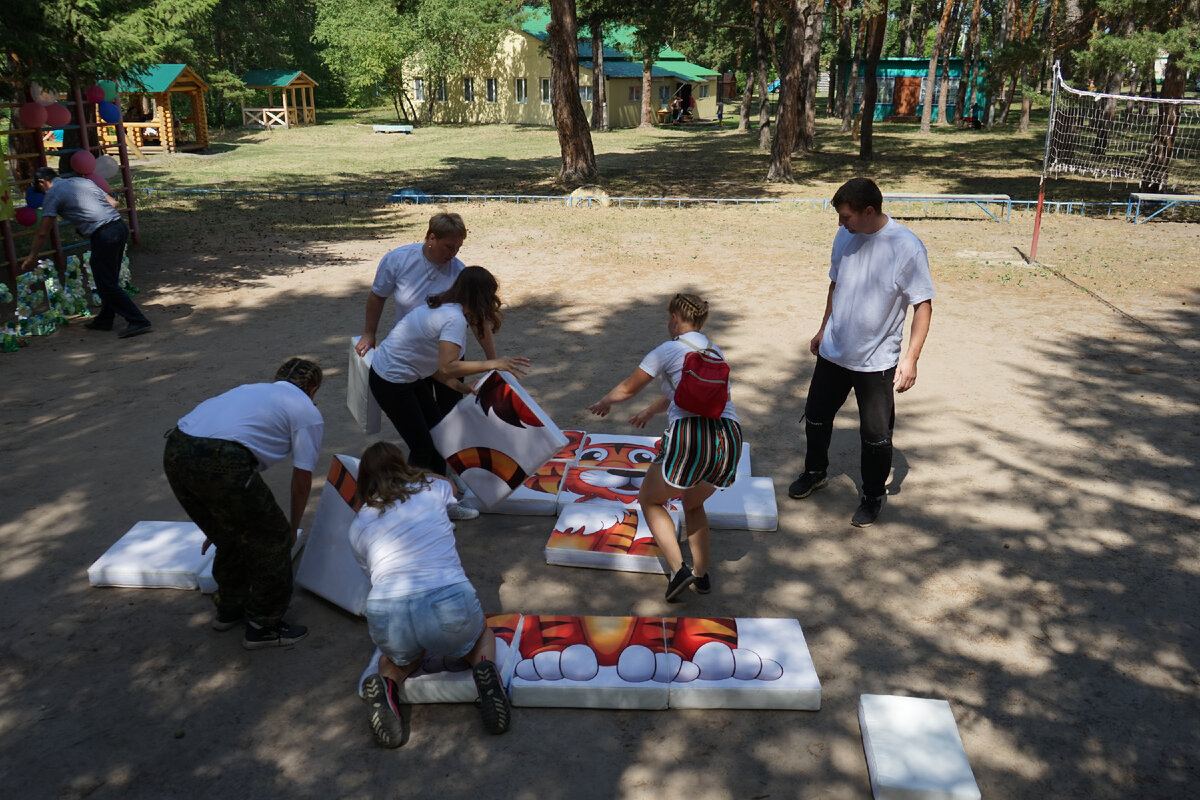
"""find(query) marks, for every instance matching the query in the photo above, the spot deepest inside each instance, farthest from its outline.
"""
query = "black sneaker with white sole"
(494, 708)
(280, 635)
(806, 484)
(702, 584)
(226, 619)
(682, 579)
(383, 696)
(868, 511)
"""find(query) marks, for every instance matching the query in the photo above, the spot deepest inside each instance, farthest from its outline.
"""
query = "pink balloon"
(57, 115)
(83, 162)
(26, 216)
(33, 115)
(94, 93)
(98, 179)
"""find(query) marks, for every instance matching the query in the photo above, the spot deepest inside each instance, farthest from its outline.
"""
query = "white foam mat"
(153, 555)
(537, 496)
(362, 404)
(749, 504)
(591, 662)
(328, 567)
(603, 536)
(913, 749)
(741, 663)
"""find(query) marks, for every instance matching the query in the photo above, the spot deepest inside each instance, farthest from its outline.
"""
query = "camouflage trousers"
(218, 484)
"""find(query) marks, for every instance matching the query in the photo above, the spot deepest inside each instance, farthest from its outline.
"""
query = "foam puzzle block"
(591, 662)
(497, 438)
(441, 679)
(605, 537)
(570, 451)
(328, 567)
(537, 496)
(359, 400)
(913, 749)
(740, 663)
(208, 584)
(617, 452)
(749, 504)
(604, 486)
(153, 555)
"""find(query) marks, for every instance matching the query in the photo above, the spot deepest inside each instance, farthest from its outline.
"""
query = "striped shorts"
(700, 450)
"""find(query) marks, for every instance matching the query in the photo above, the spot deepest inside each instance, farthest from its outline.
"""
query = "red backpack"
(704, 384)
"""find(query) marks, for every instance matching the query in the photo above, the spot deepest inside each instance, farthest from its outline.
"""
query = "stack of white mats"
(328, 567)
(635, 663)
(913, 749)
(161, 555)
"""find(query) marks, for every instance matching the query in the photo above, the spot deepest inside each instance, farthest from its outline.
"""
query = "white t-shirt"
(408, 547)
(667, 360)
(877, 276)
(271, 419)
(410, 351)
(407, 275)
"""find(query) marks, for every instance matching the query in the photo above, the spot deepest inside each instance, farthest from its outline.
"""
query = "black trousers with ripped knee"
(830, 386)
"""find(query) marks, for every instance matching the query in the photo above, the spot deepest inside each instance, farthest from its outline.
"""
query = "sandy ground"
(1036, 564)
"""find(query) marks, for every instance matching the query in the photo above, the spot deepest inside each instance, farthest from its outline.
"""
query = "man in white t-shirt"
(878, 270)
(213, 459)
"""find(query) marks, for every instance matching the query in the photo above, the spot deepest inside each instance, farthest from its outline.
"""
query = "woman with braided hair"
(697, 454)
(212, 460)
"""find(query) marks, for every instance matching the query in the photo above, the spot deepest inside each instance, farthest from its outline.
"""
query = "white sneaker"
(457, 511)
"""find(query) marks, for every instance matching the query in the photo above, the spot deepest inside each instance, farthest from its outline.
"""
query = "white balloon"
(107, 166)
(636, 664)
(579, 663)
(715, 661)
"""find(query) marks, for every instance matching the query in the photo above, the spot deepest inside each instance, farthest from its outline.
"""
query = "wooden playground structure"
(152, 120)
(297, 102)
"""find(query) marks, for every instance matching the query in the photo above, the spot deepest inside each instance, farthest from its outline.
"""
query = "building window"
(585, 94)
(419, 89)
(545, 90)
(492, 90)
(522, 90)
(635, 94)
(664, 94)
(441, 91)
(469, 90)
(704, 90)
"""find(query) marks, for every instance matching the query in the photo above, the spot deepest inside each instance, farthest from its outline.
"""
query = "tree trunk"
(910, 22)
(760, 53)
(787, 121)
(968, 55)
(574, 138)
(599, 87)
(810, 69)
(747, 99)
(844, 54)
(931, 75)
(1157, 170)
(875, 35)
(852, 79)
(647, 85)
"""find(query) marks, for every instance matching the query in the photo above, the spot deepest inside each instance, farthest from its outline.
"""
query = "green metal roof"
(154, 80)
(275, 78)
(618, 44)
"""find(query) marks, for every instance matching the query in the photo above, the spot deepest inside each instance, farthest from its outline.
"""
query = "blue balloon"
(109, 112)
(34, 198)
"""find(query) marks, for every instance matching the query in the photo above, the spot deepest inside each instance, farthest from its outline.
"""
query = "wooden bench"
(982, 201)
(1168, 201)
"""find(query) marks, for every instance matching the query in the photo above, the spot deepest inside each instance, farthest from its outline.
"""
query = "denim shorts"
(445, 621)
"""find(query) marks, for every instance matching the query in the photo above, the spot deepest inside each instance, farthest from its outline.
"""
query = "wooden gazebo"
(148, 116)
(297, 102)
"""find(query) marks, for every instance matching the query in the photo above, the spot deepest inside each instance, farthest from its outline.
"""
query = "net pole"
(1037, 220)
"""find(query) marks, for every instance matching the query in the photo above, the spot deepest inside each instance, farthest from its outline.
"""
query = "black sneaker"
(134, 329)
(682, 579)
(868, 511)
(387, 723)
(226, 619)
(806, 484)
(281, 635)
(494, 707)
(702, 585)
(97, 325)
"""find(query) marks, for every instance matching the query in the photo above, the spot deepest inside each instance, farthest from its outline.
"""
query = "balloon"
(57, 115)
(83, 162)
(109, 112)
(98, 179)
(27, 216)
(33, 115)
(41, 95)
(34, 198)
(94, 93)
(107, 167)
(110, 90)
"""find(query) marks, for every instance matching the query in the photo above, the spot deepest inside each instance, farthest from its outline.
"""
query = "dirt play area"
(1036, 565)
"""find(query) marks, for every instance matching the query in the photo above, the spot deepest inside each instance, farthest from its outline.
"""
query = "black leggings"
(414, 408)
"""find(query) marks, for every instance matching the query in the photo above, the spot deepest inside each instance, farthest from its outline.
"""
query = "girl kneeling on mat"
(697, 455)
(420, 600)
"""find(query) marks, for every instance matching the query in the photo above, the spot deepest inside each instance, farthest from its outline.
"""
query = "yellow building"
(514, 85)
